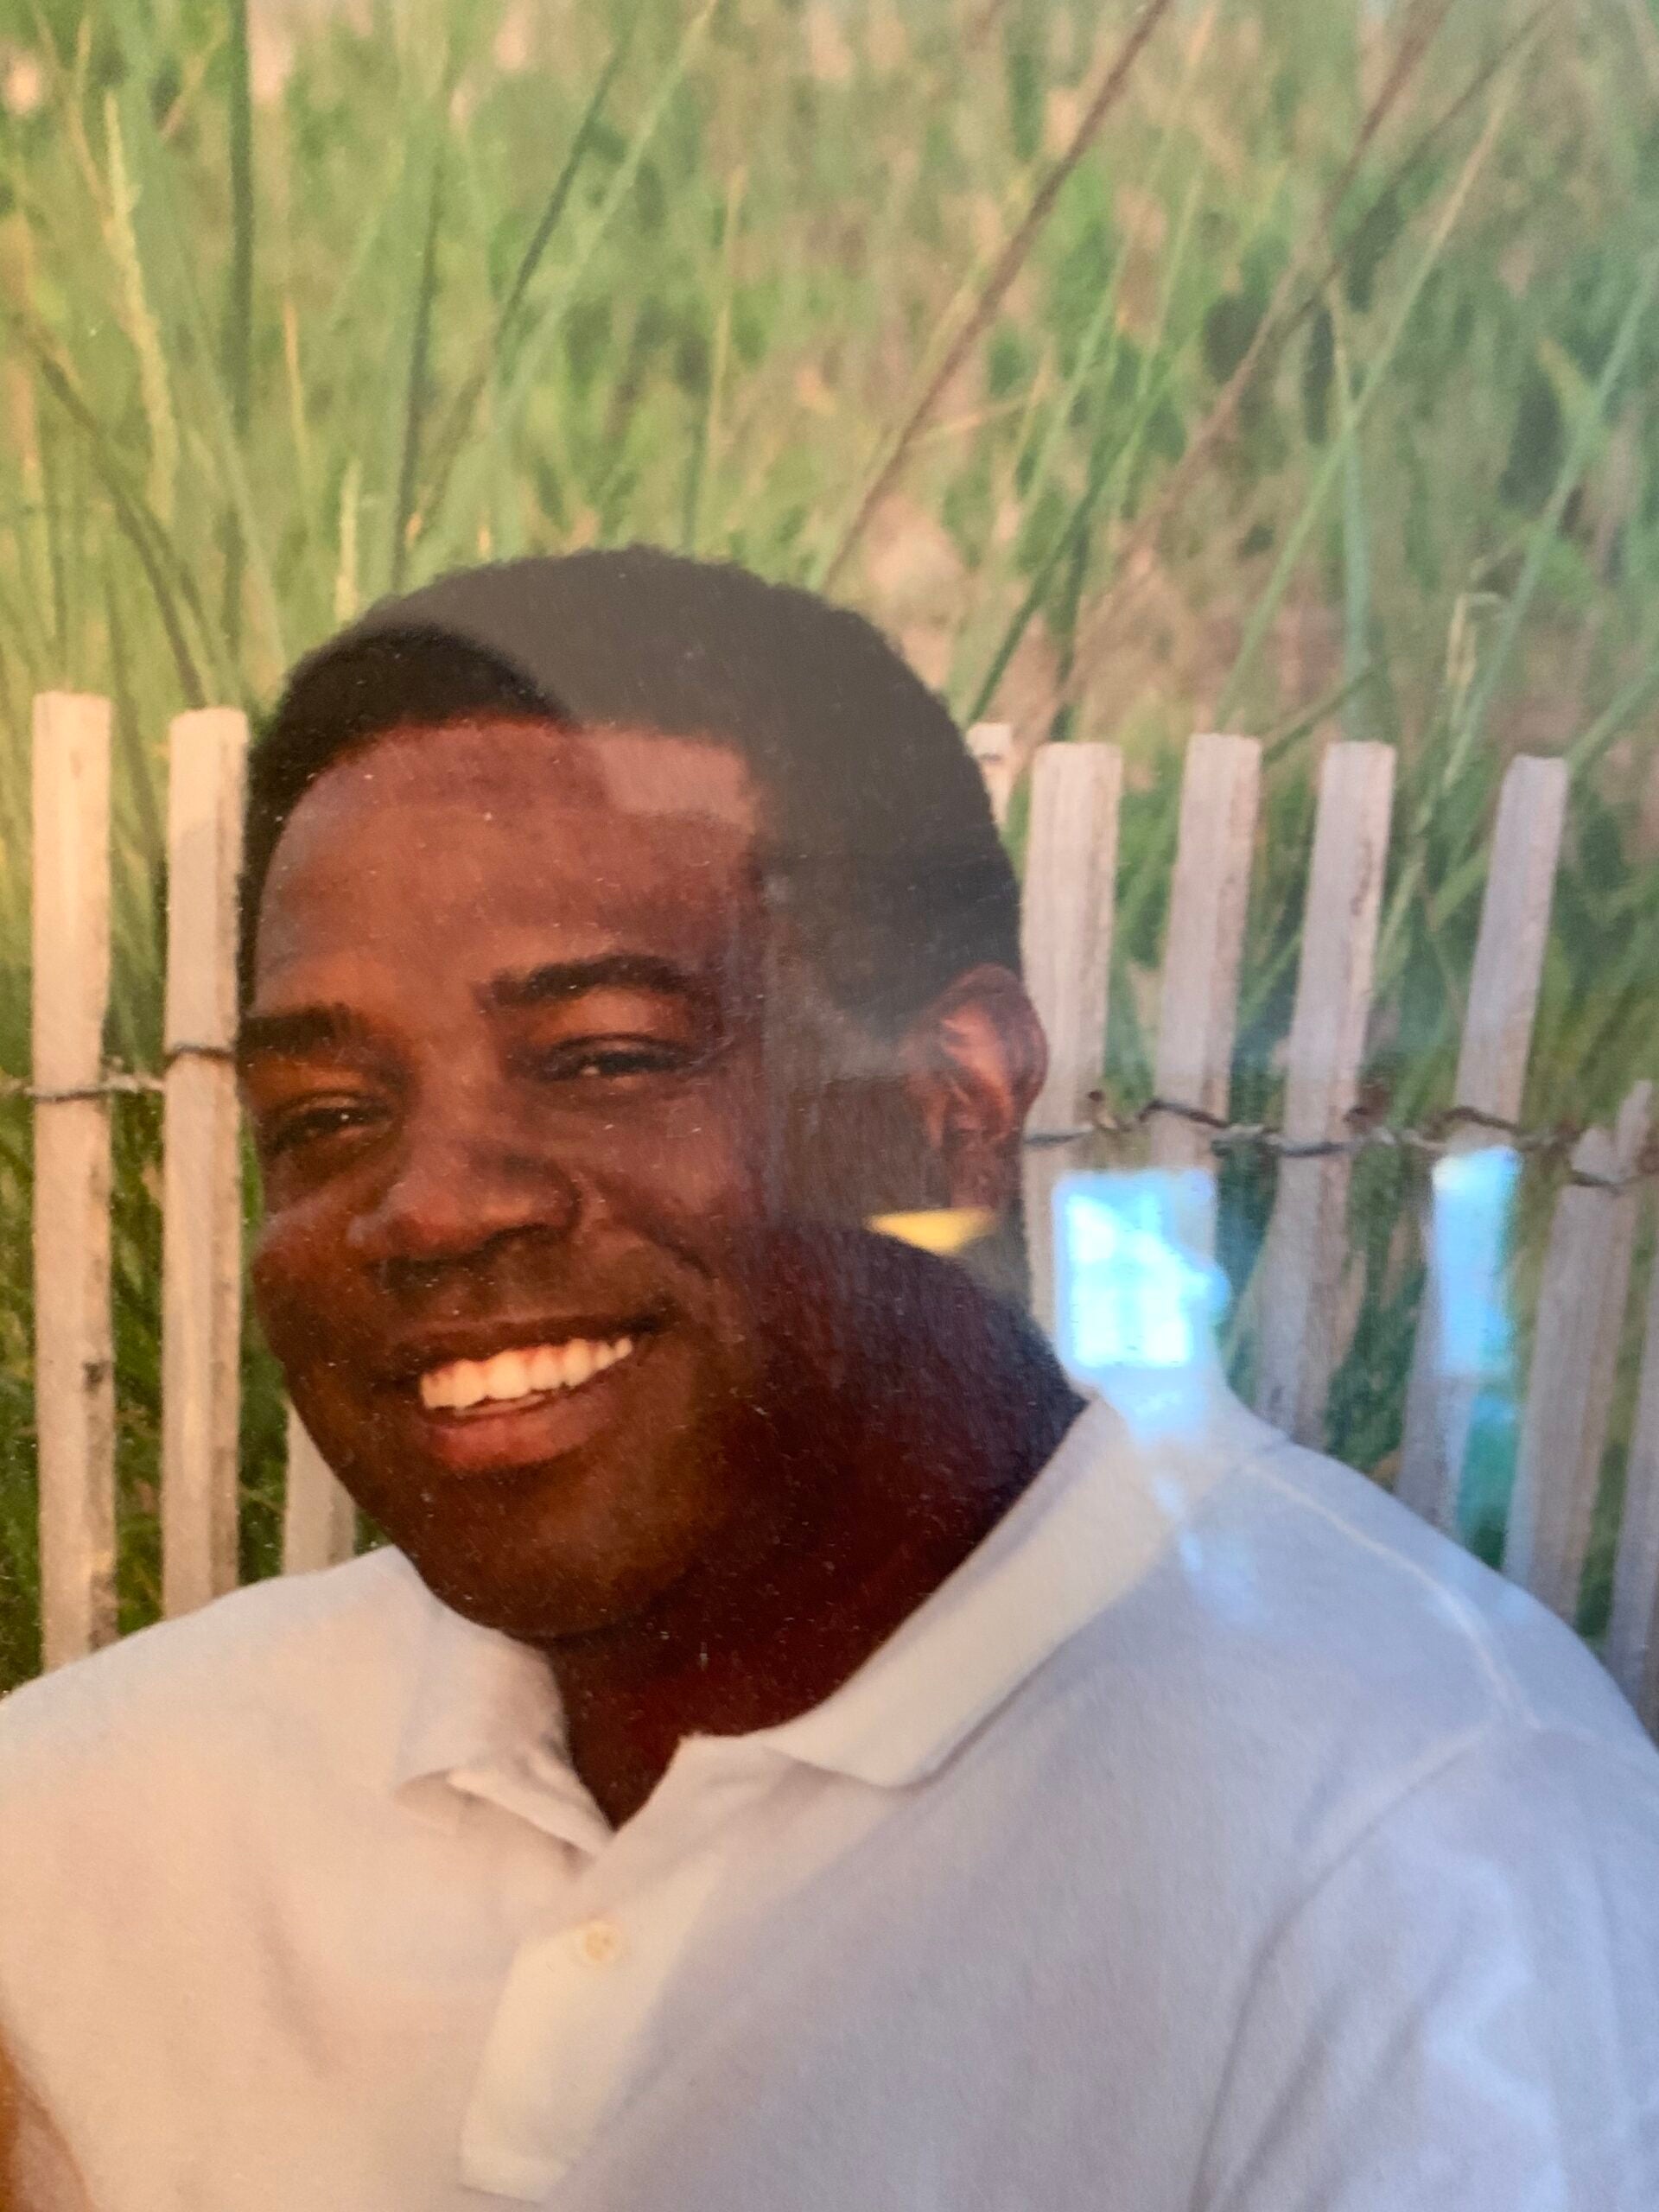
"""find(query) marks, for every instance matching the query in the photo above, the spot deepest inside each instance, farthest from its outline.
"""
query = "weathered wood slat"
(1302, 1260)
(1514, 932)
(1066, 923)
(201, 1265)
(1491, 1076)
(992, 745)
(1066, 926)
(1632, 1647)
(1569, 1392)
(1204, 942)
(319, 1520)
(74, 1371)
(1040, 1169)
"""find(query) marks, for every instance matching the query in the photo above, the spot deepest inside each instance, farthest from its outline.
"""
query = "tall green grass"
(1318, 405)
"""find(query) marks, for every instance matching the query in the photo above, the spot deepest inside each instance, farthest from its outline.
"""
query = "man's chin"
(544, 1608)
(571, 1545)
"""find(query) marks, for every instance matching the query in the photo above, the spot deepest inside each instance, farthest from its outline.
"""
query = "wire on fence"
(114, 1083)
(1370, 1133)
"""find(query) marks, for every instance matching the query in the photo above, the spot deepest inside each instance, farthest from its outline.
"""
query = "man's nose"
(460, 1184)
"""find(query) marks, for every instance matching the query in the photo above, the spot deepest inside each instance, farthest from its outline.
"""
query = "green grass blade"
(1291, 553)
(709, 416)
(459, 498)
(143, 331)
(1356, 556)
(416, 383)
(218, 406)
(1586, 432)
(148, 540)
(463, 408)
(238, 334)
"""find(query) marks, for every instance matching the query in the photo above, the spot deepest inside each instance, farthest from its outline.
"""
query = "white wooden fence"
(201, 1254)
(1069, 899)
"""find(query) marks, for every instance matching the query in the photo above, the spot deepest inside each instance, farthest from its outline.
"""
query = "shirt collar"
(475, 1696)
(1098, 1516)
(1102, 1511)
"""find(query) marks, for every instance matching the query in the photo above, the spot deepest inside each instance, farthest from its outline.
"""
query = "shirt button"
(599, 1943)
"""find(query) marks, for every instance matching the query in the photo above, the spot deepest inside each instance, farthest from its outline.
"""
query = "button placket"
(568, 2027)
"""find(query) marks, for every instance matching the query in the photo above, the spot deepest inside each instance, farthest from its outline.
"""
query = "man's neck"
(894, 1477)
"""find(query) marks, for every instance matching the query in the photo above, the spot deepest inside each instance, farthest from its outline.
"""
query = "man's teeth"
(519, 1374)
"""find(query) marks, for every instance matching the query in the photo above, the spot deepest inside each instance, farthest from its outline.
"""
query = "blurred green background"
(1315, 403)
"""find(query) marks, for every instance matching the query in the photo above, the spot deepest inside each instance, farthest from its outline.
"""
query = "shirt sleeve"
(1465, 2011)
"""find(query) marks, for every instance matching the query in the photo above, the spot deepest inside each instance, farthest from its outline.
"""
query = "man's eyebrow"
(556, 982)
(307, 1029)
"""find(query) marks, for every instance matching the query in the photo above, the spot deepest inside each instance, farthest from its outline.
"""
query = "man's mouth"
(495, 1399)
(524, 1371)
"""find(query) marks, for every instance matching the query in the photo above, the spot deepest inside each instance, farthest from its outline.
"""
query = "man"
(791, 1753)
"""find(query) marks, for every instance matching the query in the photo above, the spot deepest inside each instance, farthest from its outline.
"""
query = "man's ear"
(974, 1061)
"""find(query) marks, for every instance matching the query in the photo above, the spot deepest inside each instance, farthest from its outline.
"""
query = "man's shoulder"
(299, 1656)
(1392, 1605)
(1294, 1659)
(1295, 1620)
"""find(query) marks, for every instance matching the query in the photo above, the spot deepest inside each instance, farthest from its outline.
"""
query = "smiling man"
(791, 1753)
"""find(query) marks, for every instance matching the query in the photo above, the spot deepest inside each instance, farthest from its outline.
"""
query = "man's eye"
(613, 1059)
(316, 1124)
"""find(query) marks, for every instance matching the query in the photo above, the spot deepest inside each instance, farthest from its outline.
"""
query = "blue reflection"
(1136, 1300)
(1475, 1411)
(1472, 1195)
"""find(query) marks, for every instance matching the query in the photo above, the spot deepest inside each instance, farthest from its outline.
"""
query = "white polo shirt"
(1216, 1840)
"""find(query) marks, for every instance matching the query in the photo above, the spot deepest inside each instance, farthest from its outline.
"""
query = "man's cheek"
(271, 1279)
(294, 1296)
(708, 1166)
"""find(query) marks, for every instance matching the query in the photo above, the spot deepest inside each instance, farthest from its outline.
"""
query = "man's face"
(505, 1062)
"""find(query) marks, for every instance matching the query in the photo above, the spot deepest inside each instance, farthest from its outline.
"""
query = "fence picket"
(1632, 1647)
(74, 1359)
(992, 745)
(1302, 1260)
(1569, 1392)
(1504, 988)
(1204, 942)
(319, 1520)
(1067, 927)
(1066, 922)
(201, 1262)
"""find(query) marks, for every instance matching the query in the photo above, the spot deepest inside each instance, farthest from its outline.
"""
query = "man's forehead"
(643, 772)
(510, 830)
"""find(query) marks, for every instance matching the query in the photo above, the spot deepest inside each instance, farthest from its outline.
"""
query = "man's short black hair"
(879, 831)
